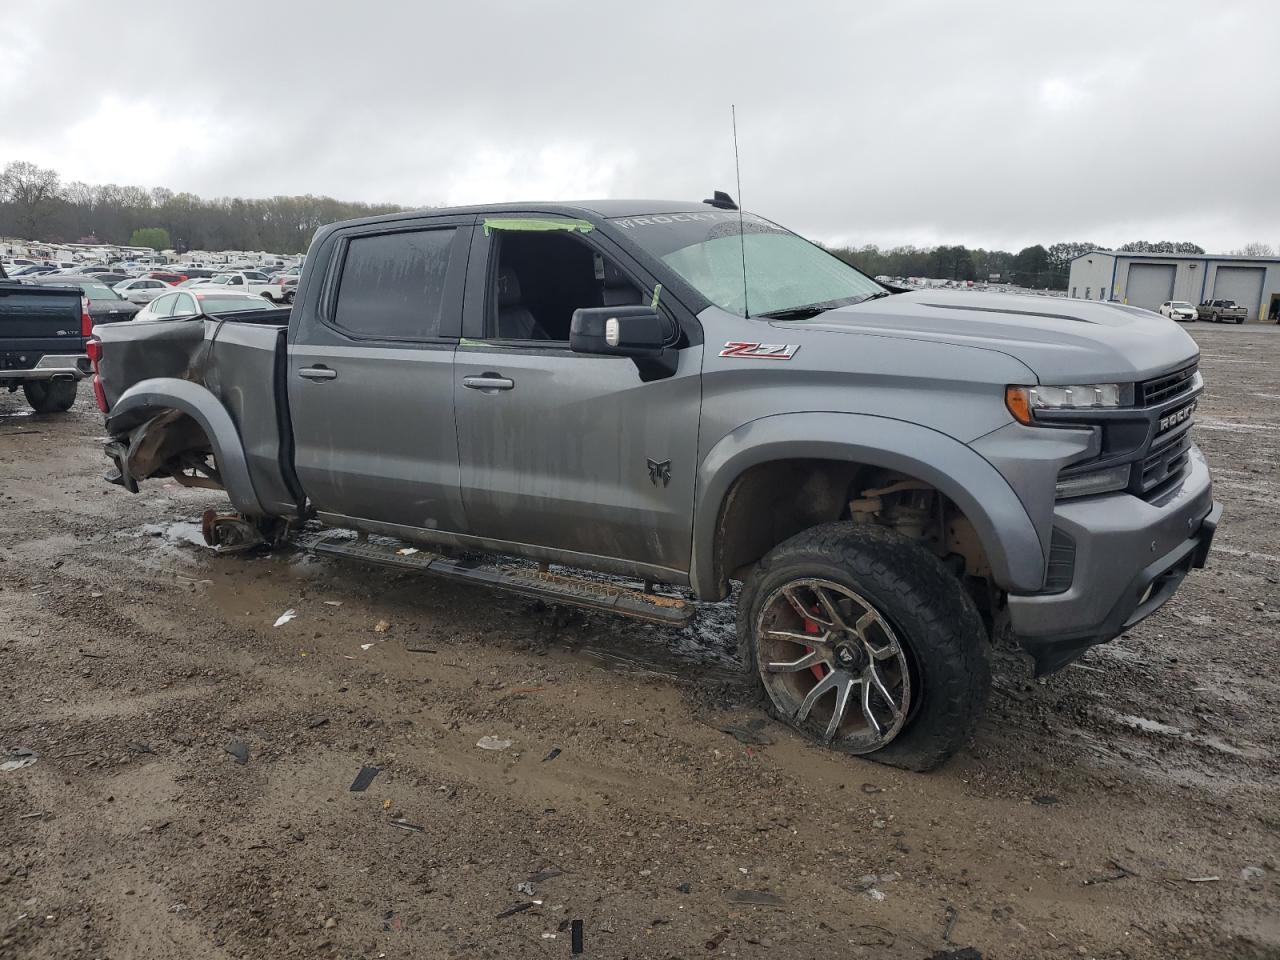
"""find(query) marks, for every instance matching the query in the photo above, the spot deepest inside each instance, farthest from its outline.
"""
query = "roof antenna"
(742, 242)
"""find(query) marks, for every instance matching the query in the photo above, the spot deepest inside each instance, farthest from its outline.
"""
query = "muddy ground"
(1126, 807)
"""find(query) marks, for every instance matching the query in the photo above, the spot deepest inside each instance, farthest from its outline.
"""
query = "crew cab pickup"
(691, 396)
(1220, 311)
(242, 281)
(42, 343)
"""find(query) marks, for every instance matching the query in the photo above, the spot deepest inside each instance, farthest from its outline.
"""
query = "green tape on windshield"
(580, 226)
(657, 292)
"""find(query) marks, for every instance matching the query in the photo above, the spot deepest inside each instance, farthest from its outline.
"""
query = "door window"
(392, 285)
(185, 305)
(542, 278)
(162, 306)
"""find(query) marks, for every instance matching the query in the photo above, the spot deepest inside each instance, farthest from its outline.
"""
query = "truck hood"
(1061, 340)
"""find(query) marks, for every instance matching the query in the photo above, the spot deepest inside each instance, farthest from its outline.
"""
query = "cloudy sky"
(989, 124)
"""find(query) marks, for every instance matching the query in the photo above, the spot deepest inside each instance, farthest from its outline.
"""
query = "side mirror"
(639, 332)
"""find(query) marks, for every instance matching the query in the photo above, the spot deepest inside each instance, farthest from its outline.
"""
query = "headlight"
(1022, 401)
(1098, 481)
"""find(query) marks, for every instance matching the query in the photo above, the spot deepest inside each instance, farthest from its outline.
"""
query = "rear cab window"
(392, 286)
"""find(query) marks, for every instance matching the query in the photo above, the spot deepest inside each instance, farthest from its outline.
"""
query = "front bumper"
(51, 366)
(1130, 557)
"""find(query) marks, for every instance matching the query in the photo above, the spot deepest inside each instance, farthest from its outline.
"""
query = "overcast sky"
(988, 124)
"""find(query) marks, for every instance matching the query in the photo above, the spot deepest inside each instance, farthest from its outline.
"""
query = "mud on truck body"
(689, 395)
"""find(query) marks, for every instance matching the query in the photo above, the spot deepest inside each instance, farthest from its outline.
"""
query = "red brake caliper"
(819, 670)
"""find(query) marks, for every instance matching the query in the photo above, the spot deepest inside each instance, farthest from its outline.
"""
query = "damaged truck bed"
(239, 359)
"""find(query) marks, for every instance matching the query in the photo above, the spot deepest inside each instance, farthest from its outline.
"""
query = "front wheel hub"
(833, 665)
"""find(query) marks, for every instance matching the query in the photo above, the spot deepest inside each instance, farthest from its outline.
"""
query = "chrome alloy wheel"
(832, 664)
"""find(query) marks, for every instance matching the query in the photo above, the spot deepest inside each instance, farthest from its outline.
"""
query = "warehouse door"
(1149, 284)
(1241, 284)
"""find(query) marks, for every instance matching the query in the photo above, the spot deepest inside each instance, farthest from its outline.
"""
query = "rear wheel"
(864, 642)
(50, 396)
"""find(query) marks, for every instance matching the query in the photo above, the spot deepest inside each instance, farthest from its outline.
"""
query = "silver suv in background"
(689, 395)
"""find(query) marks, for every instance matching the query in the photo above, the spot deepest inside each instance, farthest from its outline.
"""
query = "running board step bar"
(527, 581)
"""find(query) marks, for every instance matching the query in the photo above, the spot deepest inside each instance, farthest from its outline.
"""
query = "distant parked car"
(1178, 310)
(105, 305)
(1220, 311)
(241, 281)
(33, 270)
(199, 301)
(171, 277)
(282, 287)
(141, 289)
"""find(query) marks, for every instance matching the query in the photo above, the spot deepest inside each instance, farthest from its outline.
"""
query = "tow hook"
(229, 532)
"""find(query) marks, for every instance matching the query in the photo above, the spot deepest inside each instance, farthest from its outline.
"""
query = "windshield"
(783, 271)
(233, 304)
(93, 290)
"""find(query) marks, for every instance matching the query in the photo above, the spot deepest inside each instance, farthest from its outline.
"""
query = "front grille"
(1171, 385)
(1165, 464)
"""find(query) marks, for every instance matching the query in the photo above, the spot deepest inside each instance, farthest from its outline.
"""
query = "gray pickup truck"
(43, 330)
(688, 395)
(1222, 311)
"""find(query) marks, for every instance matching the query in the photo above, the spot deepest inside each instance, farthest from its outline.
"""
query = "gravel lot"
(1125, 807)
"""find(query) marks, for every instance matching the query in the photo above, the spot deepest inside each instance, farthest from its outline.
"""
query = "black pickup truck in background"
(43, 331)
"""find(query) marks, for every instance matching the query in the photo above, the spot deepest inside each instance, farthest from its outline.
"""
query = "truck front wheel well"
(773, 501)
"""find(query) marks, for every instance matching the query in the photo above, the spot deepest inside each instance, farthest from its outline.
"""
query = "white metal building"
(1149, 279)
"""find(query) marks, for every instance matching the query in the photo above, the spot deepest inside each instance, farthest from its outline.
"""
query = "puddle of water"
(1150, 726)
(184, 531)
(1228, 426)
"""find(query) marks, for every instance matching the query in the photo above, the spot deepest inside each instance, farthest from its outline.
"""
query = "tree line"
(36, 205)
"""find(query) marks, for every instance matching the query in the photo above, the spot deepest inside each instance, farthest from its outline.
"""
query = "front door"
(371, 381)
(567, 451)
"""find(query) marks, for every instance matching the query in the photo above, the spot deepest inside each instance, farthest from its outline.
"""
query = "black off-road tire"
(933, 616)
(50, 396)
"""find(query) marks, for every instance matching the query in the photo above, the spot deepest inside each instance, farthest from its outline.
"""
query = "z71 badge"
(760, 351)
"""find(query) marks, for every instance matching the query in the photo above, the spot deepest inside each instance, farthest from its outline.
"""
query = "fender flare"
(1008, 536)
(146, 398)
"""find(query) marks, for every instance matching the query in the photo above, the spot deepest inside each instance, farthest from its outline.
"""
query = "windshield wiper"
(876, 296)
(796, 313)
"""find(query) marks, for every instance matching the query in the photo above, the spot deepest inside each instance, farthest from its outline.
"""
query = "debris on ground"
(964, 953)
(382, 626)
(406, 825)
(716, 939)
(285, 618)
(1252, 873)
(364, 778)
(1120, 874)
(365, 646)
(493, 743)
(518, 908)
(952, 915)
(1045, 800)
(18, 758)
(406, 551)
(137, 746)
(1202, 879)
(575, 933)
(555, 752)
(871, 788)
(758, 898)
(420, 650)
(525, 887)
(316, 721)
(239, 750)
(332, 603)
(750, 733)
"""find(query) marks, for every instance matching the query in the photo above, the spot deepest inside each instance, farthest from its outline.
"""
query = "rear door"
(370, 375)
(565, 452)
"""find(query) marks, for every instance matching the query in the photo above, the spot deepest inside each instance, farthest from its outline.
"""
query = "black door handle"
(318, 373)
